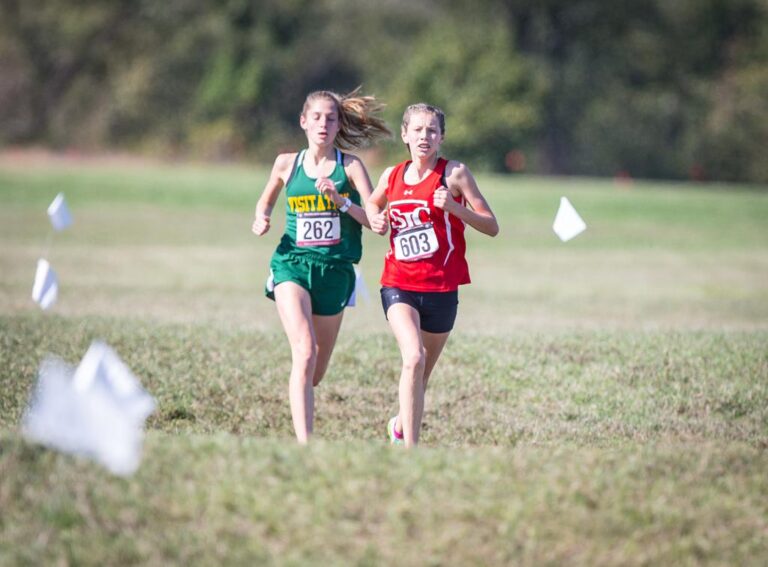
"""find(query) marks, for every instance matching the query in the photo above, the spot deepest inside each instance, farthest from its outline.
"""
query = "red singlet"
(426, 243)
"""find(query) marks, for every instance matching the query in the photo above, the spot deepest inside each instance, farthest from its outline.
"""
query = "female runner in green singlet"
(311, 273)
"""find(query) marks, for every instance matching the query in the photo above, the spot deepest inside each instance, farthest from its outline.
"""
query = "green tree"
(656, 88)
(60, 56)
(490, 95)
(632, 83)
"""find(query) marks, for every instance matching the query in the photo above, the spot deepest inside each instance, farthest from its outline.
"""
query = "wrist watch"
(345, 207)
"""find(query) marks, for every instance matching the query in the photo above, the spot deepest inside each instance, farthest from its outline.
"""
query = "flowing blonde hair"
(358, 125)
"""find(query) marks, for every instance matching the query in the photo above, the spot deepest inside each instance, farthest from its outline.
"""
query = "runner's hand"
(379, 223)
(260, 225)
(327, 188)
(443, 199)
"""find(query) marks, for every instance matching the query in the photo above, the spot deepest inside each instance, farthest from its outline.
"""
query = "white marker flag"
(58, 212)
(97, 410)
(567, 223)
(45, 290)
(360, 288)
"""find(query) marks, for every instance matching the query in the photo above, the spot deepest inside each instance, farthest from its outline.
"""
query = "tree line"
(644, 88)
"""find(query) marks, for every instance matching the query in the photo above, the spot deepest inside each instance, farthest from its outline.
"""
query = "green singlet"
(314, 216)
(320, 243)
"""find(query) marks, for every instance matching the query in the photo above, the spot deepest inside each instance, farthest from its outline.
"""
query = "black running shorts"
(437, 309)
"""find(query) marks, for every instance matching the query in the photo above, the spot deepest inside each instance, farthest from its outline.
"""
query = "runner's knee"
(415, 358)
(304, 352)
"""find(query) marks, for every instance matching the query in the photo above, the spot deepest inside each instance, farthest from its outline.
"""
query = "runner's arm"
(358, 175)
(277, 178)
(375, 206)
(460, 181)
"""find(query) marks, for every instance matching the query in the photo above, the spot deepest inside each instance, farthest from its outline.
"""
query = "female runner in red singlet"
(427, 201)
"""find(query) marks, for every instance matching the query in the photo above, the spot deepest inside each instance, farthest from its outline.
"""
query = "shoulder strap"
(395, 174)
(339, 157)
(296, 163)
(442, 163)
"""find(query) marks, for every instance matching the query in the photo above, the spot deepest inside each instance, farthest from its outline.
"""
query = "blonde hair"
(358, 127)
(423, 107)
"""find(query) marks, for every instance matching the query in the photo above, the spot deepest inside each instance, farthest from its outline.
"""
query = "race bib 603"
(416, 243)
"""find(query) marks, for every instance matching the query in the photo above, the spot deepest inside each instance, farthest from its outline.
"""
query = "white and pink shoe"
(395, 438)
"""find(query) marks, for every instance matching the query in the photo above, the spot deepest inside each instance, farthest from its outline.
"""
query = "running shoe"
(394, 437)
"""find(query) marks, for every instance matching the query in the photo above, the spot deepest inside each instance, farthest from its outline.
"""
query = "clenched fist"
(379, 223)
(260, 225)
(327, 188)
(443, 199)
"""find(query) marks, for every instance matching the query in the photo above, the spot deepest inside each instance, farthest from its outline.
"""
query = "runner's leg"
(404, 322)
(433, 343)
(295, 309)
(326, 330)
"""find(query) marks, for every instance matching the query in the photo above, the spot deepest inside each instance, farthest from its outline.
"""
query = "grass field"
(601, 402)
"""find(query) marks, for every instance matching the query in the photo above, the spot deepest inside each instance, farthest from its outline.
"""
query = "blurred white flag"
(360, 289)
(567, 223)
(45, 290)
(97, 410)
(58, 212)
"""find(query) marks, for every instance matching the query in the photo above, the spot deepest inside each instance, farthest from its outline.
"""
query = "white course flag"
(97, 410)
(567, 223)
(360, 288)
(45, 290)
(58, 212)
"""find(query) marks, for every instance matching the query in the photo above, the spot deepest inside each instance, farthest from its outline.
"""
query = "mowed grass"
(233, 500)
(174, 244)
(583, 388)
(601, 402)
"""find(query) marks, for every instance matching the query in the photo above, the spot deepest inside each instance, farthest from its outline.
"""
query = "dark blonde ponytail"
(359, 127)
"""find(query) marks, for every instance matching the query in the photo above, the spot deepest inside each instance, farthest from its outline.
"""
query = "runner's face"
(321, 122)
(423, 135)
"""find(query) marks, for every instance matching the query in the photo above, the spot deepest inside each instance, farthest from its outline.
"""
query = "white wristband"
(345, 207)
